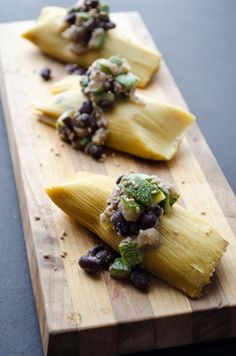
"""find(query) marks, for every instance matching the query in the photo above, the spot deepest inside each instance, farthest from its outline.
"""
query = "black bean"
(95, 249)
(88, 121)
(66, 129)
(122, 226)
(68, 122)
(79, 35)
(119, 179)
(91, 4)
(96, 151)
(117, 218)
(46, 73)
(106, 256)
(70, 18)
(63, 134)
(85, 119)
(140, 278)
(86, 108)
(133, 228)
(90, 264)
(118, 221)
(106, 104)
(107, 25)
(158, 211)
(93, 124)
(147, 220)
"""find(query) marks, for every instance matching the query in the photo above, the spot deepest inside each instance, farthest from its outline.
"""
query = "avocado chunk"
(135, 176)
(108, 96)
(130, 252)
(130, 209)
(116, 60)
(138, 187)
(170, 199)
(173, 198)
(156, 199)
(105, 8)
(127, 80)
(167, 205)
(97, 39)
(104, 65)
(82, 16)
(119, 269)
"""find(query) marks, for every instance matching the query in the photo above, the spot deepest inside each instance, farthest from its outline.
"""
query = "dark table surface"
(197, 40)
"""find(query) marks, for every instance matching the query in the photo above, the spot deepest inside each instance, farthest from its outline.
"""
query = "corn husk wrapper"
(149, 129)
(189, 251)
(46, 35)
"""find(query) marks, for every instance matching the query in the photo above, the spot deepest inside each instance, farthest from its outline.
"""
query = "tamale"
(46, 35)
(149, 129)
(189, 251)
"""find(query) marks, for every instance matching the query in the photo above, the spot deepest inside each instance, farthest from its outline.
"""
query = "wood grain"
(79, 315)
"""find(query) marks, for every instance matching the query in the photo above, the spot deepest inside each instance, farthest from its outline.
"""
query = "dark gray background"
(197, 40)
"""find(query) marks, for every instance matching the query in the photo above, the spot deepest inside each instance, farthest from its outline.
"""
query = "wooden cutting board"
(80, 315)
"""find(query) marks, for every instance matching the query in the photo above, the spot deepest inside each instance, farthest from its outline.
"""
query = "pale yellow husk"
(151, 130)
(46, 35)
(190, 249)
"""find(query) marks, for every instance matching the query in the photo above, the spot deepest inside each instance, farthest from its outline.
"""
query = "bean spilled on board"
(96, 151)
(95, 249)
(140, 278)
(98, 257)
(90, 264)
(46, 73)
(106, 256)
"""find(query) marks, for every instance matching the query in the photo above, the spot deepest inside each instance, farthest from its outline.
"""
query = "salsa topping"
(134, 209)
(105, 82)
(86, 24)
(108, 80)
